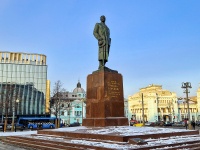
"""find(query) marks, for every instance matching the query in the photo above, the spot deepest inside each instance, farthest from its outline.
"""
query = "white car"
(9, 126)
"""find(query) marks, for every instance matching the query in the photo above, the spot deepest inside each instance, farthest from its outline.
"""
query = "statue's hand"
(100, 39)
(101, 42)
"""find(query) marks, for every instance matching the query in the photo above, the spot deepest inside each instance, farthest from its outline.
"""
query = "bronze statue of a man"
(102, 34)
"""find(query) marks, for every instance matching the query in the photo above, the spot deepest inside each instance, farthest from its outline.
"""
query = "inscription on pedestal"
(113, 89)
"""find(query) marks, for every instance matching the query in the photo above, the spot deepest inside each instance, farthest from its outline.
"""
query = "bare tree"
(7, 102)
(55, 100)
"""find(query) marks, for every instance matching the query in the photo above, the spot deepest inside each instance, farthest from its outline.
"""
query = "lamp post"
(17, 102)
(184, 110)
(186, 85)
(142, 108)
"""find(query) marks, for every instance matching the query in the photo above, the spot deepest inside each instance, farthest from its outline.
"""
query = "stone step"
(50, 143)
(187, 146)
(39, 144)
(195, 148)
(71, 138)
(111, 137)
(28, 145)
(174, 146)
(55, 142)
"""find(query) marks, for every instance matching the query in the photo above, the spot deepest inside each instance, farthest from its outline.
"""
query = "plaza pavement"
(10, 147)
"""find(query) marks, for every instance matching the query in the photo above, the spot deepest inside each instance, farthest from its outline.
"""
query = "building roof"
(78, 88)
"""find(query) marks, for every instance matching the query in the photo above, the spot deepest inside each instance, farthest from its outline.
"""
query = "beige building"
(161, 105)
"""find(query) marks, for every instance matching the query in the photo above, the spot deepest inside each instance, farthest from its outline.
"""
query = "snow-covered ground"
(17, 133)
(120, 130)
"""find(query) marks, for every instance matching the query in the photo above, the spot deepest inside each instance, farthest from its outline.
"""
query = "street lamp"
(142, 108)
(186, 85)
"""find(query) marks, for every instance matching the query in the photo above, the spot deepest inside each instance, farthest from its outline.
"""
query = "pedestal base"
(105, 99)
(102, 122)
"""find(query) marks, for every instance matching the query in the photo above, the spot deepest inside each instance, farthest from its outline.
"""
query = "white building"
(71, 106)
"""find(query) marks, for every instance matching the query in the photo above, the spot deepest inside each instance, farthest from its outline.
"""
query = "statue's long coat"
(102, 34)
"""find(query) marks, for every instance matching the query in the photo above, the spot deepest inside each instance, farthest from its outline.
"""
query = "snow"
(119, 130)
(17, 133)
(122, 130)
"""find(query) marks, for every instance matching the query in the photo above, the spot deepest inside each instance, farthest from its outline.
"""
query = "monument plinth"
(105, 99)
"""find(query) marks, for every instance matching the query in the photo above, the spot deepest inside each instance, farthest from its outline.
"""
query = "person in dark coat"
(186, 123)
(193, 124)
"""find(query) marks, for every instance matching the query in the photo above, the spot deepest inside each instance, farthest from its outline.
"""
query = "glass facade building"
(23, 84)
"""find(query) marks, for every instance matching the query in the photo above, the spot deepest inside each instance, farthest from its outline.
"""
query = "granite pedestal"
(105, 100)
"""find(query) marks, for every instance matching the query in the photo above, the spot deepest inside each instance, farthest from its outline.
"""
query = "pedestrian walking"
(193, 124)
(186, 123)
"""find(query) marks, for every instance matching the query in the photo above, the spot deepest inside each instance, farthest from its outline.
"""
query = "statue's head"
(103, 18)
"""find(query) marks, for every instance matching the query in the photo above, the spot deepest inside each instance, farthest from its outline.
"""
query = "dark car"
(179, 124)
(74, 124)
(197, 123)
(159, 123)
(168, 124)
(20, 127)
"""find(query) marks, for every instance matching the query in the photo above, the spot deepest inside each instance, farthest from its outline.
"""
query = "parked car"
(150, 123)
(1, 125)
(168, 124)
(9, 126)
(74, 124)
(132, 122)
(178, 124)
(159, 123)
(197, 123)
(20, 127)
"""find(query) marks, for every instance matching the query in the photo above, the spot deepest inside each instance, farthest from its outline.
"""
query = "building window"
(78, 113)
(77, 106)
(62, 113)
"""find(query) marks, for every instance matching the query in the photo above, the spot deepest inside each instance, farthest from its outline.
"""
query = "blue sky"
(153, 41)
